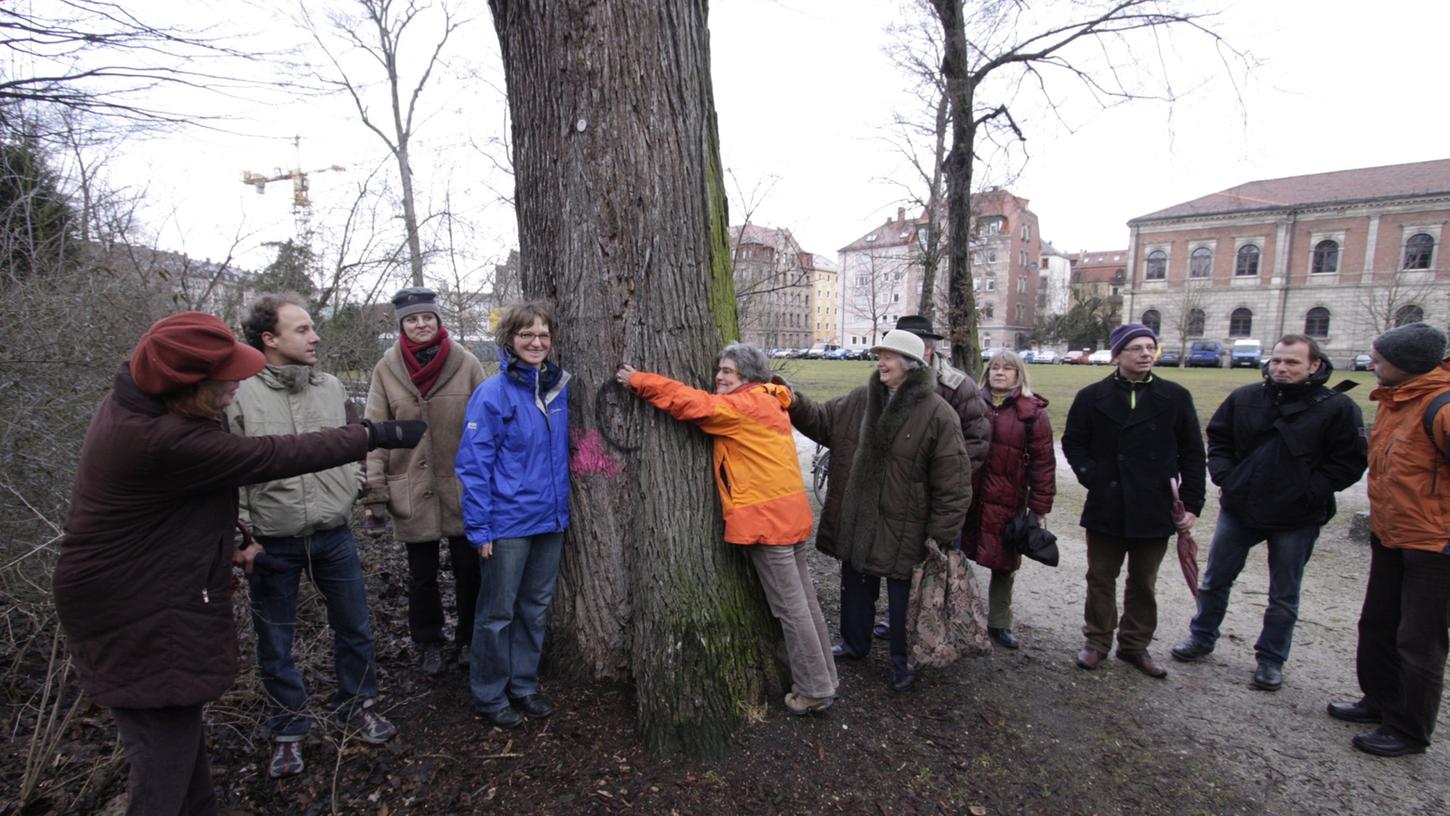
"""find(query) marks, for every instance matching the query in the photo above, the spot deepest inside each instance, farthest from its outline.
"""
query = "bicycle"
(820, 472)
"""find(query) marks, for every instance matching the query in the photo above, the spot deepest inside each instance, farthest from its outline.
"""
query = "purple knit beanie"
(1127, 333)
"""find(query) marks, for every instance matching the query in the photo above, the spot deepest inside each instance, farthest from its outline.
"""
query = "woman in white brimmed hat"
(899, 475)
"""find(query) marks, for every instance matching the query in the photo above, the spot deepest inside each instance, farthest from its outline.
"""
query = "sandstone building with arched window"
(1339, 256)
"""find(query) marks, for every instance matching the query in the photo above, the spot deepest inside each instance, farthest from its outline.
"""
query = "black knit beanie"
(1414, 348)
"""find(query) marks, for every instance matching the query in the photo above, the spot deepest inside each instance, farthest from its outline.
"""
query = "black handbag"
(1024, 533)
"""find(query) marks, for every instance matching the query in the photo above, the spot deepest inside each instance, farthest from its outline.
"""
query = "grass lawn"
(824, 379)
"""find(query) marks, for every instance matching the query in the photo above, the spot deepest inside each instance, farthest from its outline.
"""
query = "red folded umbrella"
(1187, 547)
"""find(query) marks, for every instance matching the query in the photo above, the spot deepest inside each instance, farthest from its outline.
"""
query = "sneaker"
(801, 705)
(286, 759)
(371, 727)
(430, 662)
(881, 631)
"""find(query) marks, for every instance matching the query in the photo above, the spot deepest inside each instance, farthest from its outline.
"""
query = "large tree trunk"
(961, 300)
(622, 223)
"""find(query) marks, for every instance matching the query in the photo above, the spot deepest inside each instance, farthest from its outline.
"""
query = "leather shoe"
(843, 652)
(1143, 662)
(1380, 743)
(1356, 712)
(534, 705)
(505, 717)
(881, 631)
(1090, 658)
(903, 679)
(1268, 676)
(1190, 650)
(1004, 637)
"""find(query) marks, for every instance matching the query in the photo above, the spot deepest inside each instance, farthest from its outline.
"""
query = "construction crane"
(301, 202)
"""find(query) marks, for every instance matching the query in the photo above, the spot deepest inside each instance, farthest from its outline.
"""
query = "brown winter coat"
(899, 473)
(954, 386)
(1008, 482)
(143, 583)
(418, 485)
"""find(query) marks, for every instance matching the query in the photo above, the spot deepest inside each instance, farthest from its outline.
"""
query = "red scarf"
(425, 376)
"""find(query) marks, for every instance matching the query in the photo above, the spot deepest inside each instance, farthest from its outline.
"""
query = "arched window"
(1316, 322)
(1326, 256)
(1195, 323)
(1240, 323)
(1157, 265)
(1200, 263)
(1153, 320)
(1247, 262)
(1418, 250)
(1409, 313)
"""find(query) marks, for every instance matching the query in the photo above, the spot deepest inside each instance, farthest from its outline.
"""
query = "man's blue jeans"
(1289, 551)
(516, 586)
(329, 558)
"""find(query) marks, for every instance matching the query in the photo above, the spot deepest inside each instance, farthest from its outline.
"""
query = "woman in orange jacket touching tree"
(763, 497)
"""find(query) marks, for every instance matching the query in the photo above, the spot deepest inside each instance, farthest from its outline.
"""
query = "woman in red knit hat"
(143, 582)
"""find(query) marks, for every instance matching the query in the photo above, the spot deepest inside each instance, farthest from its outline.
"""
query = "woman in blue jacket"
(513, 462)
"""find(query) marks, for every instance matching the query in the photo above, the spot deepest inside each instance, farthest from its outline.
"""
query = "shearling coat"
(899, 473)
(1019, 472)
(143, 582)
(1126, 441)
(418, 486)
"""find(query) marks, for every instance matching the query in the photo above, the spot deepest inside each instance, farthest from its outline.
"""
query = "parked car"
(1027, 356)
(1168, 358)
(987, 353)
(1205, 354)
(798, 354)
(1362, 362)
(820, 350)
(1045, 356)
(1074, 357)
(838, 353)
(1101, 357)
(778, 353)
(1246, 354)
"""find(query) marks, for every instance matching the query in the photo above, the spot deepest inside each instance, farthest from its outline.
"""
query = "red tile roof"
(1364, 184)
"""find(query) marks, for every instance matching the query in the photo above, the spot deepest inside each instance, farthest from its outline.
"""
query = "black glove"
(395, 433)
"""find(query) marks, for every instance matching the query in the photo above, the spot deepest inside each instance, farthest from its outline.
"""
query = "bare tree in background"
(876, 279)
(381, 32)
(1389, 299)
(1021, 47)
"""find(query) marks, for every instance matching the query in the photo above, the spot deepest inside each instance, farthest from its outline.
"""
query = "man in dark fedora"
(960, 392)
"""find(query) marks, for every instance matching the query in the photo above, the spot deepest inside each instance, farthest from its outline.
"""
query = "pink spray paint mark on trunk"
(592, 457)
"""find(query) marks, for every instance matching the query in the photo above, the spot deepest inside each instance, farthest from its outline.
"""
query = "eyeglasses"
(529, 337)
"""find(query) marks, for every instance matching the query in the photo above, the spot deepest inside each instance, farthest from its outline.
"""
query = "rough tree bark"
(960, 88)
(622, 223)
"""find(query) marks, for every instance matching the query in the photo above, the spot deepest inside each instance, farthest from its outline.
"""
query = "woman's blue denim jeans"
(329, 559)
(515, 588)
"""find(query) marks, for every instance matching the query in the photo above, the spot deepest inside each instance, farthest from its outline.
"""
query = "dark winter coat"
(1125, 455)
(899, 473)
(954, 386)
(1280, 453)
(143, 582)
(1010, 481)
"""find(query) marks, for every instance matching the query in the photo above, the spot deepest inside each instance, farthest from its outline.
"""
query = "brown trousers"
(1105, 556)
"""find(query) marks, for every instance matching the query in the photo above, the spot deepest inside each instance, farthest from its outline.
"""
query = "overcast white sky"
(803, 89)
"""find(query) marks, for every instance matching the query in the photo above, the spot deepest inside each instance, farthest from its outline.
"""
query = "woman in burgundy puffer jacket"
(1019, 472)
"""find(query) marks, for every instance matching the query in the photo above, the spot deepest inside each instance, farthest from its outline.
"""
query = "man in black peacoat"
(1127, 437)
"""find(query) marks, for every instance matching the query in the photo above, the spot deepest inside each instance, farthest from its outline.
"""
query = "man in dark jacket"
(1128, 436)
(1279, 450)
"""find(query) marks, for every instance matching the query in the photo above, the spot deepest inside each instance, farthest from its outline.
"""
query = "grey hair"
(911, 363)
(753, 364)
(1013, 359)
